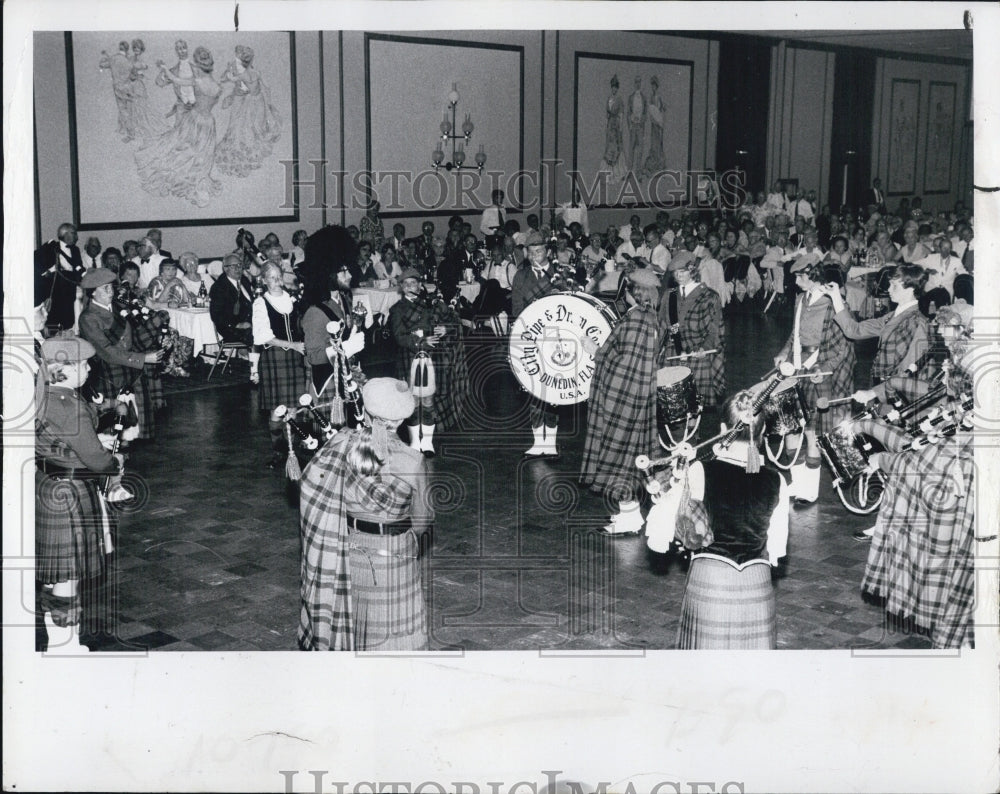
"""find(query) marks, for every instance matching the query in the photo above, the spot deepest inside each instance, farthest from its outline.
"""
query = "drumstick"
(692, 355)
(823, 403)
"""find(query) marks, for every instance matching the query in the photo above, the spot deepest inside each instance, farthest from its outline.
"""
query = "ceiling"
(940, 43)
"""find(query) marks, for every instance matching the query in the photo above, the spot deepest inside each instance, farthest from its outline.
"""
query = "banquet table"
(470, 291)
(377, 301)
(195, 324)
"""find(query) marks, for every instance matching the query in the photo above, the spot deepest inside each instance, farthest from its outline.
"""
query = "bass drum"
(546, 345)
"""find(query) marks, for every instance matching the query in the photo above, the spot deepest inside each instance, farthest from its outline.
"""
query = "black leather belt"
(379, 528)
(49, 467)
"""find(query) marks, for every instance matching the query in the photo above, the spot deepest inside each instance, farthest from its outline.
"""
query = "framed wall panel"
(632, 124)
(939, 141)
(158, 141)
(407, 83)
(904, 120)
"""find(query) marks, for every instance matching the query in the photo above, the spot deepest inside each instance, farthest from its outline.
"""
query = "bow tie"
(144, 261)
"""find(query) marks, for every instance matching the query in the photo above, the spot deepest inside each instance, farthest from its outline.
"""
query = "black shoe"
(428, 453)
(276, 462)
(861, 537)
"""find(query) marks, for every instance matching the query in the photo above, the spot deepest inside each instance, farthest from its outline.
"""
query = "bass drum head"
(546, 346)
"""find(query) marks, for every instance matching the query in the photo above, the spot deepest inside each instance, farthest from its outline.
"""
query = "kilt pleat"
(727, 609)
(386, 592)
(69, 528)
(283, 378)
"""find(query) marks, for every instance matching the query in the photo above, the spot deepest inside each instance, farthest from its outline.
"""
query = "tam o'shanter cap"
(411, 272)
(67, 349)
(535, 238)
(644, 277)
(98, 277)
(388, 398)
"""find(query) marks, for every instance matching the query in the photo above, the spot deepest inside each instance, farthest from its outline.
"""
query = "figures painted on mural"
(654, 159)
(636, 125)
(254, 123)
(120, 67)
(144, 124)
(179, 162)
(183, 88)
(614, 152)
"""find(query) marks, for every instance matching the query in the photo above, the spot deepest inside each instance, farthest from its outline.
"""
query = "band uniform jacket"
(526, 287)
(902, 339)
(448, 356)
(699, 315)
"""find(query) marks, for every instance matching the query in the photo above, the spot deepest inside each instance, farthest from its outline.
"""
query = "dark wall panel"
(744, 86)
(853, 102)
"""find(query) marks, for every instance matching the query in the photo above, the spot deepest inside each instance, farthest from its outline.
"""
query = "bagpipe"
(151, 329)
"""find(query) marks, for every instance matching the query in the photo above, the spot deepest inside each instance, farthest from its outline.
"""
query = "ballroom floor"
(210, 562)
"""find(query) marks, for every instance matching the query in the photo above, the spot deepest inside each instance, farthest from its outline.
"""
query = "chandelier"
(458, 141)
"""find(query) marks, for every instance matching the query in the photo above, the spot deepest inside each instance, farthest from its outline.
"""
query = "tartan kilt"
(386, 592)
(111, 378)
(709, 373)
(921, 559)
(727, 609)
(283, 378)
(451, 375)
(69, 528)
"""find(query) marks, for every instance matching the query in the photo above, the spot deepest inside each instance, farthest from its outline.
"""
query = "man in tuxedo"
(157, 237)
(148, 260)
(231, 302)
(184, 70)
(450, 271)
(58, 270)
(875, 198)
(91, 253)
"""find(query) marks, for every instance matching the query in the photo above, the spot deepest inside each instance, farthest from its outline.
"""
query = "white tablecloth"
(376, 300)
(195, 324)
(469, 291)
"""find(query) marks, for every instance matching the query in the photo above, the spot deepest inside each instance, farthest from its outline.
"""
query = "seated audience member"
(942, 269)
(167, 287)
(838, 260)
(231, 308)
(91, 252)
(630, 249)
(496, 279)
(148, 260)
(194, 274)
(130, 250)
(593, 255)
(111, 258)
(128, 273)
(298, 253)
(388, 267)
(912, 250)
(654, 250)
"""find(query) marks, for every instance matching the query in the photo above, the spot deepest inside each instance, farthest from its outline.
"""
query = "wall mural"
(633, 121)
(903, 119)
(190, 127)
(940, 137)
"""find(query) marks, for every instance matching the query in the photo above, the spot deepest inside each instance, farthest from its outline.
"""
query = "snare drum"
(676, 395)
(676, 403)
(846, 453)
(785, 411)
(546, 345)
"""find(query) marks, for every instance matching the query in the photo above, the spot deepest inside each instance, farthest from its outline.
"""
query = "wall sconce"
(458, 141)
